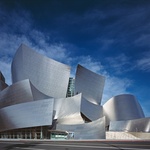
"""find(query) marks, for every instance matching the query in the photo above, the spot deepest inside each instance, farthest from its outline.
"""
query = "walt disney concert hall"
(44, 102)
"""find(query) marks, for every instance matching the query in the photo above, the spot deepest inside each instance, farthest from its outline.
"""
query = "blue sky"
(110, 37)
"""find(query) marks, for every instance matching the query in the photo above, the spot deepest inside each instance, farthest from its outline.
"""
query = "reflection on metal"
(89, 84)
(36, 102)
(20, 92)
(69, 111)
(47, 75)
(136, 125)
(92, 130)
(90, 110)
(122, 107)
(29, 114)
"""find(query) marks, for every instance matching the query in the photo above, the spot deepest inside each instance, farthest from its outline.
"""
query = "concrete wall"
(127, 135)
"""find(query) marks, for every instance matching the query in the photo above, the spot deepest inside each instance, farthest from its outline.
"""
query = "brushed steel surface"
(135, 125)
(122, 107)
(47, 75)
(29, 114)
(20, 92)
(69, 111)
(90, 110)
(37, 98)
(92, 130)
(90, 84)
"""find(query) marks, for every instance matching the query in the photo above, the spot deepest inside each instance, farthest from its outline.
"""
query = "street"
(74, 145)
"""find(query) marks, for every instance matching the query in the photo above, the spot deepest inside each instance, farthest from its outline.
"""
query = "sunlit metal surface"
(136, 125)
(37, 98)
(47, 75)
(30, 114)
(20, 92)
(92, 130)
(68, 110)
(89, 84)
(90, 110)
(122, 107)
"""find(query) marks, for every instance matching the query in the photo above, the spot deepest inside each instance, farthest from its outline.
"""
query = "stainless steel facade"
(135, 125)
(69, 110)
(47, 75)
(90, 110)
(29, 114)
(20, 92)
(92, 130)
(90, 84)
(122, 107)
(37, 101)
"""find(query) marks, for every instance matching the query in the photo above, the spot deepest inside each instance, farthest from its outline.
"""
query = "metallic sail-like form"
(47, 75)
(90, 110)
(29, 114)
(20, 92)
(92, 130)
(122, 107)
(69, 110)
(36, 102)
(89, 84)
(23, 106)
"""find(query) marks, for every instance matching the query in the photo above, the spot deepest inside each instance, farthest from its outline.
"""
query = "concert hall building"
(44, 102)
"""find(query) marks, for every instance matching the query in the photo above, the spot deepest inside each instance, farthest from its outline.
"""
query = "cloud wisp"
(144, 62)
(19, 29)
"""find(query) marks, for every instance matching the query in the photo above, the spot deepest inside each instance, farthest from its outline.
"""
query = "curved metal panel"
(30, 114)
(57, 106)
(90, 110)
(47, 75)
(20, 92)
(122, 107)
(69, 110)
(92, 130)
(89, 84)
(136, 125)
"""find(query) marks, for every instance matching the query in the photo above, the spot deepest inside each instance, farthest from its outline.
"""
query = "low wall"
(127, 135)
(141, 135)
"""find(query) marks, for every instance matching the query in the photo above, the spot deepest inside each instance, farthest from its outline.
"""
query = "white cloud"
(90, 64)
(9, 43)
(55, 51)
(105, 44)
(10, 40)
(120, 63)
(144, 62)
(114, 86)
(143, 40)
(39, 41)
